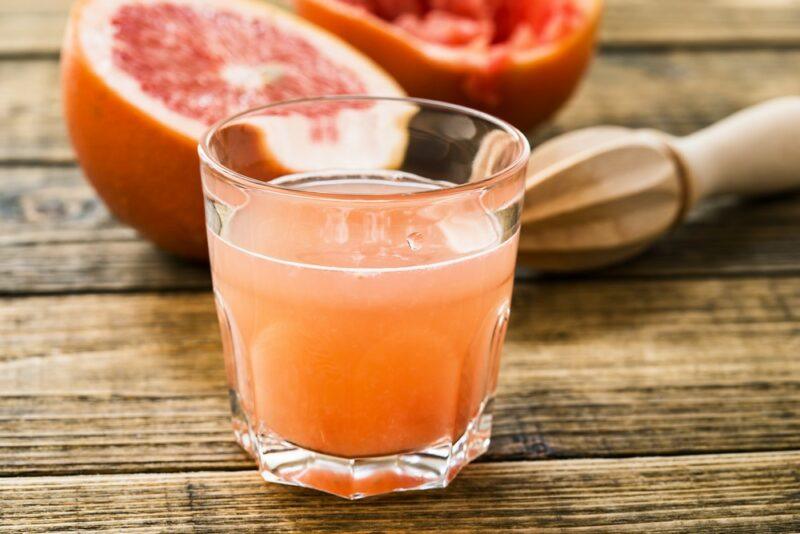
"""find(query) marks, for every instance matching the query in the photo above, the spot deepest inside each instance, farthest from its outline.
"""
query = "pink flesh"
(496, 26)
(178, 54)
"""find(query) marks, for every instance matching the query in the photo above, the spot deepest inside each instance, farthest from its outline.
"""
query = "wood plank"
(727, 237)
(735, 493)
(30, 111)
(676, 91)
(124, 383)
(56, 236)
(87, 258)
(36, 26)
(688, 23)
(32, 26)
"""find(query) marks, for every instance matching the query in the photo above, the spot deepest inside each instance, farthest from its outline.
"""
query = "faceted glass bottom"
(354, 478)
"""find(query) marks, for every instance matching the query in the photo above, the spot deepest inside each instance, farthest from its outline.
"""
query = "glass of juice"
(362, 252)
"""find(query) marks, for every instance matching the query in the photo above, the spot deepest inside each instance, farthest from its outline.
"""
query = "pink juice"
(362, 330)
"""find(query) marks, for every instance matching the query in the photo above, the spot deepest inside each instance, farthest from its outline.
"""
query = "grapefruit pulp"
(143, 79)
(517, 59)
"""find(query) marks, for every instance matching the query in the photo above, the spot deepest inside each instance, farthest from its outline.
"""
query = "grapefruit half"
(142, 80)
(517, 59)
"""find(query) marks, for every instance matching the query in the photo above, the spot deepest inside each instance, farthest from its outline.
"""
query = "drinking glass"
(362, 252)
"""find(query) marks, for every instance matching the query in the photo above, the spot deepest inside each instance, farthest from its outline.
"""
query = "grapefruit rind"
(522, 86)
(141, 156)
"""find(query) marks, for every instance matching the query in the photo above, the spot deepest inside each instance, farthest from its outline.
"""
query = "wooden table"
(661, 396)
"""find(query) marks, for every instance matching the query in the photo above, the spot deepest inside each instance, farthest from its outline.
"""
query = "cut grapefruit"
(143, 79)
(518, 59)
(343, 133)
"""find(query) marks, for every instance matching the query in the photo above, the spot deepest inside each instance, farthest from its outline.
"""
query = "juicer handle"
(755, 151)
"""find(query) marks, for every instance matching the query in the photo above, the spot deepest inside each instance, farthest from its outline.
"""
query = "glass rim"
(520, 160)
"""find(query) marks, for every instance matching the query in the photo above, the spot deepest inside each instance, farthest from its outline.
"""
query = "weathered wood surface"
(746, 493)
(693, 23)
(36, 26)
(61, 239)
(56, 237)
(675, 91)
(30, 111)
(123, 383)
(113, 413)
(32, 26)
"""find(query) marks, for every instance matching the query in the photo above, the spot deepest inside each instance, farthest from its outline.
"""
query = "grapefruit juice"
(363, 308)
(352, 361)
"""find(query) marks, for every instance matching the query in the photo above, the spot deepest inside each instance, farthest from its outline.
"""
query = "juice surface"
(365, 332)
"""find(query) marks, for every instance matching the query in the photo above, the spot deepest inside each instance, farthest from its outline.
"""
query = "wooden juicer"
(598, 196)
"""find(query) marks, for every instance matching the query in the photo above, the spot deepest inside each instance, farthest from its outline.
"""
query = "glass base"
(355, 478)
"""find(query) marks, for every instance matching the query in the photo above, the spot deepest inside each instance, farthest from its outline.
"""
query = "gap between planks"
(621, 88)
(35, 26)
(709, 493)
(56, 237)
(599, 369)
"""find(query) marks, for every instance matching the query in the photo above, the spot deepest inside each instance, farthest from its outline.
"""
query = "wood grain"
(113, 411)
(676, 91)
(30, 111)
(745, 493)
(32, 26)
(689, 23)
(77, 247)
(36, 26)
(591, 369)
(725, 238)
(56, 236)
